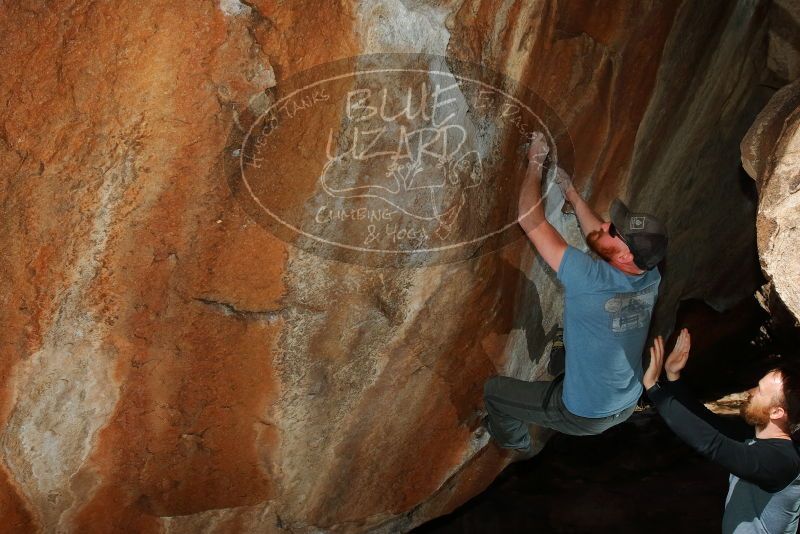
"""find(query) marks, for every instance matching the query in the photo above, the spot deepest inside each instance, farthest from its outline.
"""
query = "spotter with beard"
(764, 462)
(608, 303)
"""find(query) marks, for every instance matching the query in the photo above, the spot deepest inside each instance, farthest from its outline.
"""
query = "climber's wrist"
(572, 195)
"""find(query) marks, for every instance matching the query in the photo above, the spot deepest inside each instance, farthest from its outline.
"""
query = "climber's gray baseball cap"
(644, 234)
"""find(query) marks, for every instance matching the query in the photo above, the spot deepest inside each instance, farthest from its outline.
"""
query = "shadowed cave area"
(261, 256)
(638, 476)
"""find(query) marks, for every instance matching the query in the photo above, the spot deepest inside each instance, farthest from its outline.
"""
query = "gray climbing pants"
(512, 404)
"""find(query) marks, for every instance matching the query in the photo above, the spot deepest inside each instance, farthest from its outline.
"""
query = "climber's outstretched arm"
(545, 238)
(587, 217)
(589, 220)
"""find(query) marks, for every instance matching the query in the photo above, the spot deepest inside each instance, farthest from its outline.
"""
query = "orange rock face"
(173, 363)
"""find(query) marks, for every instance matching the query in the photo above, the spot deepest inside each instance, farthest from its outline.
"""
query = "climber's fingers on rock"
(538, 148)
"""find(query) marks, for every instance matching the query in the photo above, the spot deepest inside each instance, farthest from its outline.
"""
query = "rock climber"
(764, 483)
(608, 302)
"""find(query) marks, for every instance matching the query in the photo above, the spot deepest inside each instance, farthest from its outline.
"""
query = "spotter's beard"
(757, 416)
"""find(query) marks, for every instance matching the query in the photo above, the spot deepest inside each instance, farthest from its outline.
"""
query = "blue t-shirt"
(606, 318)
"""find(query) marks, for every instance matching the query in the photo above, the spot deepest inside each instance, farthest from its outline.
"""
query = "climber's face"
(606, 245)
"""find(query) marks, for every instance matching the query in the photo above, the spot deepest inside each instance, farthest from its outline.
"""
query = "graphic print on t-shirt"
(629, 311)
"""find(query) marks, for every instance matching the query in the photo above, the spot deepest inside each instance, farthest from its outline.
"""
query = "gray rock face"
(771, 155)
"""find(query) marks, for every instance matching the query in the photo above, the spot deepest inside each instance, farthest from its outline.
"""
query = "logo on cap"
(637, 223)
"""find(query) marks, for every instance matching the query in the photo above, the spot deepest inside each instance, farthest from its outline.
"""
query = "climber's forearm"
(587, 217)
(531, 207)
(545, 238)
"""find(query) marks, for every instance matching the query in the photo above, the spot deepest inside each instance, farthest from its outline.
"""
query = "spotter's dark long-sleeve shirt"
(764, 491)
